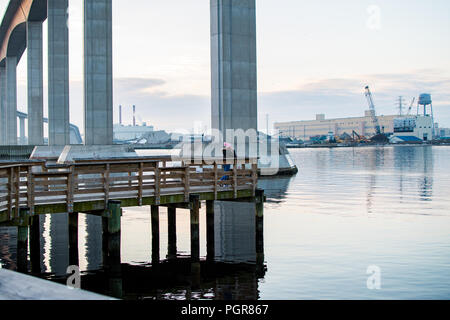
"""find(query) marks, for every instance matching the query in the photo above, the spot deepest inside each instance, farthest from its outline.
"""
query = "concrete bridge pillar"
(35, 83)
(98, 81)
(58, 73)
(233, 65)
(22, 138)
(11, 100)
(2, 105)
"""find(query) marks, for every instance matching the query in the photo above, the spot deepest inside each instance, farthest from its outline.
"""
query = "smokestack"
(134, 116)
(120, 115)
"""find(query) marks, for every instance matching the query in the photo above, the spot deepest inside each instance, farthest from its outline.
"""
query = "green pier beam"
(172, 232)
(22, 240)
(155, 235)
(210, 241)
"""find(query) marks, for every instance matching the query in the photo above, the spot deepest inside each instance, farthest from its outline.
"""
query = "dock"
(29, 189)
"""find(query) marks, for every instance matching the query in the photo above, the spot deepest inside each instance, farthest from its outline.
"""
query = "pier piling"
(195, 238)
(259, 219)
(73, 239)
(112, 230)
(22, 240)
(210, 245)
(172, 232)
(195, 228)
(155, 235)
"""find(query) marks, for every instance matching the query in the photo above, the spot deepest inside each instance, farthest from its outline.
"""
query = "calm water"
(346, 210)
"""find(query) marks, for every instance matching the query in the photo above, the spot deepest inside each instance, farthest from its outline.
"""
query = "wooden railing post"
(187, 183)
(141, 181)
(17, 190)
(30, 190)
(106, 183)
(255, 176)
(70, 188)
(157, 184)
(235, 178)
(10, 192)
(216, 180)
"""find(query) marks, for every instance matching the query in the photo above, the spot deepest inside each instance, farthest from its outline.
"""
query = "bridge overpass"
(233, 59)
(75, 135)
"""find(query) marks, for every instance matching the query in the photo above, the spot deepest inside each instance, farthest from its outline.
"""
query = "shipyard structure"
(304, 130)
(395, 128)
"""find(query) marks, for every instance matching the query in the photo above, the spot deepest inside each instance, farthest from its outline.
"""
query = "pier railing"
(30, 185)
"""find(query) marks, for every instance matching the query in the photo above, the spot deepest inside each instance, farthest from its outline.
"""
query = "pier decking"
(103, 187)
(87, 186)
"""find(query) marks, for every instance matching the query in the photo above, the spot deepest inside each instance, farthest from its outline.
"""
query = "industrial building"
(130, 132)
(321, 126)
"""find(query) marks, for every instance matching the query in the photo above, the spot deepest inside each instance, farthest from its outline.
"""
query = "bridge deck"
(87, 186)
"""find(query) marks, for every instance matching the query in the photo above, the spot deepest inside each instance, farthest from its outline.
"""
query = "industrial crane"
(411, 106)
(375, 122)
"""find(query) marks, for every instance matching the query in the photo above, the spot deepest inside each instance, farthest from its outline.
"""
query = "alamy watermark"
(374, 280)
(205, 148)
(74, 280)
(374, 19)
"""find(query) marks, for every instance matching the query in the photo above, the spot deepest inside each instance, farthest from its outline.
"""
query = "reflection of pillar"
(98, 82)
(35, 245)
(58, 73)
(35, 84)
(73, 239)
(93, 242)
(210, 230)
(59, 243)
(235, 232)
(172, 231)
(155, 234)
(11, 100)
(2, 105)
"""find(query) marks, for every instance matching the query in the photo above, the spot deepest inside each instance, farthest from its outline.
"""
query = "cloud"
(336, 97)
(137, 85)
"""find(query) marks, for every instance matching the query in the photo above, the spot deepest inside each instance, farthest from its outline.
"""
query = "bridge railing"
(36, 184)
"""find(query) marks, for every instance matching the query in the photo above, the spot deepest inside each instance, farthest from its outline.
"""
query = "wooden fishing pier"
(29, 189)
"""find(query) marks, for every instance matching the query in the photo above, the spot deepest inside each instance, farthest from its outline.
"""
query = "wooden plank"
(186, 184)
(30, 191)
(10, 192)
(17, 192)
(140, 181)
(50, 193)
(216, 178)
(157, 185)
(107, 182)
(70, 192)
(235, 184)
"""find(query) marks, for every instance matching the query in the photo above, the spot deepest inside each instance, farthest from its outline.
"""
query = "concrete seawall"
(17, 286)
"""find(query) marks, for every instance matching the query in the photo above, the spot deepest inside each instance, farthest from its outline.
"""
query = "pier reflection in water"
(233, 273)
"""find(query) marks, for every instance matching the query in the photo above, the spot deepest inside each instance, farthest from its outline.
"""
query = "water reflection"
(233, 274)
(8, 248)
(316, 222)
(275, 189)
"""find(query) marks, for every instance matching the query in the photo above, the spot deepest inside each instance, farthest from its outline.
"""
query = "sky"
(313, 57)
